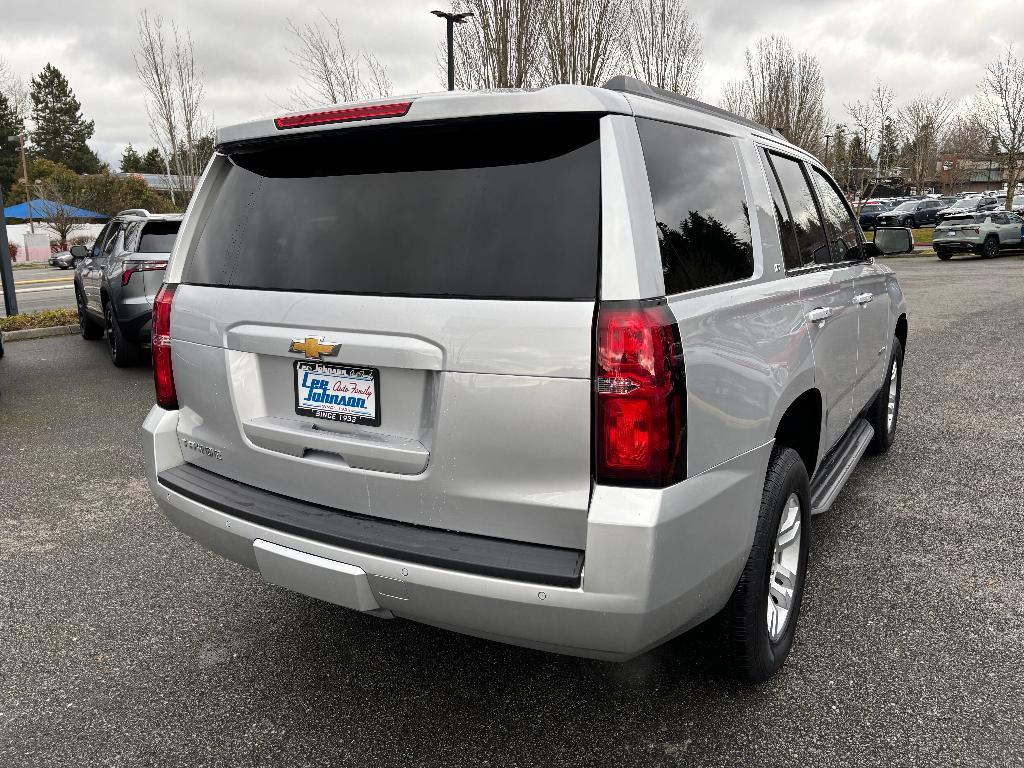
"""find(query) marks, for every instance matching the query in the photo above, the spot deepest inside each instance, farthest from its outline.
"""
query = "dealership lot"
(124, 643)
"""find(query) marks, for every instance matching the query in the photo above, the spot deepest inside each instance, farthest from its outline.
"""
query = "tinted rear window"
(699, 206)
(158, 236)
(504, 208)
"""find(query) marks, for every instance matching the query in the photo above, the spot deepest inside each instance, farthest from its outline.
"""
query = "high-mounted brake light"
(398, 109)
(141, 266)
(163, 375)
(639, 396)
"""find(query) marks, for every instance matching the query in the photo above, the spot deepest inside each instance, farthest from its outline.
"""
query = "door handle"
(819, 315)
(862, 298)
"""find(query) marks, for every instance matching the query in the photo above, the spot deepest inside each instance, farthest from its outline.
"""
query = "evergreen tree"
(10, 159)
(153, 162)
(131, 161)
(61, 131)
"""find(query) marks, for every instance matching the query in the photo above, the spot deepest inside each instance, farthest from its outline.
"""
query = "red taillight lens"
(163, 375)
(398, 109)
(141, 266)
(640, 396)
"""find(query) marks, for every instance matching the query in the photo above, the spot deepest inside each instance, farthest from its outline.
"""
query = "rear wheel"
(943, 254)
(123, 353)
(760, 618)
(990, 247)
(885, 411)
(88, 327)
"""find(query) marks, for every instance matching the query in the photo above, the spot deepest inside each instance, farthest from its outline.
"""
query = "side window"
(806, 221)
(839, 222)
(999, 218)
(699, 205)
(112, 237)
(783, 217)
(131, 236)
(97, 246)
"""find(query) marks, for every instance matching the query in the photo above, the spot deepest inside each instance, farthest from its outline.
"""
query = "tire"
(990, 248)
(878, 413)
(944, 254)
(754, 652)
(909, 223)
(89, 328)
(123, 353)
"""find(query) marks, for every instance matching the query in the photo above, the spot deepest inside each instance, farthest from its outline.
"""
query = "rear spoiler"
(426, 108)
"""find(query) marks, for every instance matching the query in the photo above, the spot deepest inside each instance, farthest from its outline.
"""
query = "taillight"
(639, 396)
(163, 375)
(349, 114)
(140, 266)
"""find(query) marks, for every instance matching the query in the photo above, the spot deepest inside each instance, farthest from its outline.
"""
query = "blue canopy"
(43, 209)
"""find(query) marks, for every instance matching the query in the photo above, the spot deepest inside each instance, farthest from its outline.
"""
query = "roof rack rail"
(134, 212)
(627, 84)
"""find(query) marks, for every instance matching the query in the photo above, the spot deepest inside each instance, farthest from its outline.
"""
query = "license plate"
(337, 392)
(952, 233)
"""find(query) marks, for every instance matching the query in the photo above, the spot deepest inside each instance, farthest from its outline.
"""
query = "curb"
(40, 333)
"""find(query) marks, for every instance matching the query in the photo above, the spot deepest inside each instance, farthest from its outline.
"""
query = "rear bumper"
(957, 245)
(657, 561)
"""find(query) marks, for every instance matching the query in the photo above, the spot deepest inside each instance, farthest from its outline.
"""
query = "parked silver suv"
(116, 280)
(568, 368)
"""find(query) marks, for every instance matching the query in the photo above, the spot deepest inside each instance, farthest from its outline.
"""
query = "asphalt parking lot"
(123, 643)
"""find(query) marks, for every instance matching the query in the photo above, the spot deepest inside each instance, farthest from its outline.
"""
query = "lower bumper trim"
(467, 553)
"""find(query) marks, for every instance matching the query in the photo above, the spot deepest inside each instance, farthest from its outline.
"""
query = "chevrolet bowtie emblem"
(313, 348)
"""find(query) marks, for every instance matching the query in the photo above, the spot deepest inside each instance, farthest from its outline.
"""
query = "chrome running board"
(836, 469)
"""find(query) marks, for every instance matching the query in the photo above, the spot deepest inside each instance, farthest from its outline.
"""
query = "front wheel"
(885, 411)
(908, 223)
(760, 617)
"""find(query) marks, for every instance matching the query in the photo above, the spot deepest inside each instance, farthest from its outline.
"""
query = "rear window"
(158, 236)
(961, 220)
(699, 206)
(505, 208)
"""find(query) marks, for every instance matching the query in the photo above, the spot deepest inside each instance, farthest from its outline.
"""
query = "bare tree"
(924, 120)
(582, 40)
(60, 197)
(497, 47)
(964, 143)
(14, 88)
(871, 118)
(664, 45)
(1000, 108)
(330, 73)
(174, 99)
(783, 89)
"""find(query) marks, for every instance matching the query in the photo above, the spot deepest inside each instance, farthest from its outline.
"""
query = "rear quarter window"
(699, 204)
(494, 208)
(158, 236)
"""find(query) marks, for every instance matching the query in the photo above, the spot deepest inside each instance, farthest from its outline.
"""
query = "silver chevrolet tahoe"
(569, 368)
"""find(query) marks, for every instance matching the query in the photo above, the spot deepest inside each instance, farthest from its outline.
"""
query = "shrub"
(45, 318)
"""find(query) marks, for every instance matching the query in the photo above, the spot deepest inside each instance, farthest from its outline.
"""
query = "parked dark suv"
(912, 213)
(117, 279)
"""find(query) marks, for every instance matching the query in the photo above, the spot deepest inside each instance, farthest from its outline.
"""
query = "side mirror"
(79, 252)
(890, 240)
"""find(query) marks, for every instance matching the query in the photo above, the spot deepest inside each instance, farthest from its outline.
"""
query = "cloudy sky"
(241, 47)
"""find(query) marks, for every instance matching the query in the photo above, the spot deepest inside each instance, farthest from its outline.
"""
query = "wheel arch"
(799, 427)
(901, 330)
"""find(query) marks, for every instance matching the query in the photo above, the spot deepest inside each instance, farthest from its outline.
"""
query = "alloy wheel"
(785, 567)
(111, 336)
(894, 391)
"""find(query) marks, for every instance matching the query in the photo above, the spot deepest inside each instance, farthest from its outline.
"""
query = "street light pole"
(452, 19)
(20, 138)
